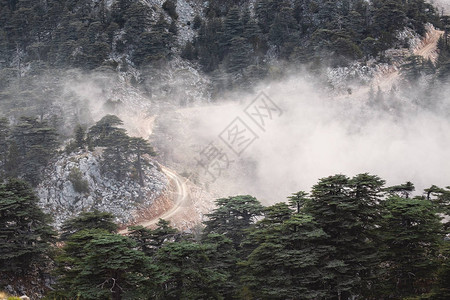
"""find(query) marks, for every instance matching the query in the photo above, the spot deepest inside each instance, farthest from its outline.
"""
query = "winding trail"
(180, 197)
(427, 49)
(428, 46)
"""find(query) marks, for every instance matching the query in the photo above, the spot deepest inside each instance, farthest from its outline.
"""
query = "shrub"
(79, 184)
(170, 7)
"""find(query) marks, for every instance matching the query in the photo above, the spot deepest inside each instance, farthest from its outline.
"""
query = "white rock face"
(442, 5)
(121, 198)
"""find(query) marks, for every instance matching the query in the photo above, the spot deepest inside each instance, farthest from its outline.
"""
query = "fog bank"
(317, 136)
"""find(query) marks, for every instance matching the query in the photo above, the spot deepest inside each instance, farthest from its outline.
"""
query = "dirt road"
(180, 198)
(428, 46)
(388, 77)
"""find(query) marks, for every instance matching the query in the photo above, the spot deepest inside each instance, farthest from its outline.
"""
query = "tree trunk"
(139, 167)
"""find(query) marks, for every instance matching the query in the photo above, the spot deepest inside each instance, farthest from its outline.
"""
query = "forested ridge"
(231, 38)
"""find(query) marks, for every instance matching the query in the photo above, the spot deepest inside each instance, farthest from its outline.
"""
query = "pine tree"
(115, 159)
(223, 260)
(80, 139)
(253, 35)
(188, 51)
(138, 147)
(285, 263)
(442, 288)
(298, 200)
(87, 221)
(12, 160)
(232, 216)
(411, 231)
(150, 240)
(264, 14)
(239, 57)
(283, 32)
(197, 22)
(387, 19)
(118, 11)
(100, 134)
(154, 45)
(347, 209)
(25, 233)
(233, 26)
(173, 29)
(185, 267)
(413, 68)
(36, 142)
(4, 134)
(170, 6)
(138, 17)
(402, 190)
(209, 41)
(96, 264)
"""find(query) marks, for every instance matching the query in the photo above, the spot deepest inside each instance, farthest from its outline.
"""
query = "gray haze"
(401, 138)
(317, 136)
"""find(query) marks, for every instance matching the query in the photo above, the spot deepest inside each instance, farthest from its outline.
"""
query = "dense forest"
(348, 238)
(234, 42)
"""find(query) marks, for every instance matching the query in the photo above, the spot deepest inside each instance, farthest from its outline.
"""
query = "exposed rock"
(122, 198)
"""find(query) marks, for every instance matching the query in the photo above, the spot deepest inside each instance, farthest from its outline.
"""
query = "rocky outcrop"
(60, 197)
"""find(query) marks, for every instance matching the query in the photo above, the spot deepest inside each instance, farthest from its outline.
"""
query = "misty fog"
(402, 137)
(318, 136)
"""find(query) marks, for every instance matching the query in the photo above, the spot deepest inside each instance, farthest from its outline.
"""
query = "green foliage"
(68, 33)
(138, 147)
(170, 6)
(149, 241)
(286, 261)
(298, 200)
(238, 58)
(80, 136)
(307, 31)
(80, 185)
(122, 154)
(443, 61)
(413, 68)
(25, 233)
(411, 231)
(344, 241)
(347, 211)
(442, 288)
(104, 266)
(197, 22)
(232, 216)
(88, 221)
(102, 132)
(32, 144)
(155, 45)
(115, 159)
(187, 271)
(403, 190)
(188, 51)
(4, 135)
